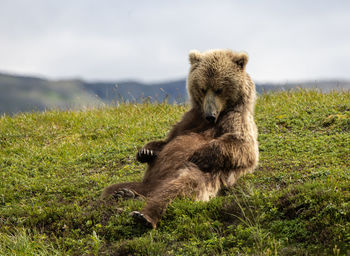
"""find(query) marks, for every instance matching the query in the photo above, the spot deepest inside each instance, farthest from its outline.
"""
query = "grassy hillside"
(53, 166)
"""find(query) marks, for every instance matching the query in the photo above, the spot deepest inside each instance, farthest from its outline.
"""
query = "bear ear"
(241, 60)
(195, 56)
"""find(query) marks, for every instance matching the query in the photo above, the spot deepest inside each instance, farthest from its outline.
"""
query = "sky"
(150, 40)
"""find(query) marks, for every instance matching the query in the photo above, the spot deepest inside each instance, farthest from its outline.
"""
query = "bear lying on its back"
(211, 147)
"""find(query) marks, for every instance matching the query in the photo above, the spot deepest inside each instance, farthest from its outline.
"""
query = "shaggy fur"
(210, 148)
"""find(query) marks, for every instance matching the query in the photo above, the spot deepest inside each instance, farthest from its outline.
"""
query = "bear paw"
(124, 193)
(203, 163)
(142, 219)
(145, 155)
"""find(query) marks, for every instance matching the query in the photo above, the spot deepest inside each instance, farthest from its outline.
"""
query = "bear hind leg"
(190, 183)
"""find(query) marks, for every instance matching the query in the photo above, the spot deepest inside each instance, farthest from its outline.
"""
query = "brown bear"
(210, 148)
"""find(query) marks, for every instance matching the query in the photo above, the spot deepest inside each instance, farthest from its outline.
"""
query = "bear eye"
(227, 81)
(218, 91)
(203, 90)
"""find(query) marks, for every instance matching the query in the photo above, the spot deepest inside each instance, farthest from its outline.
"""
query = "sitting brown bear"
(210, 148)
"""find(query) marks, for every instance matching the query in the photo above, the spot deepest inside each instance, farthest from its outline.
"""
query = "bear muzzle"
(210, 118)
(212, 106)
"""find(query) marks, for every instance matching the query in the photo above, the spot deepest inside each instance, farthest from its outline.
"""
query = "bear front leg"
(150, 151)
(211, 158)
(207, 158)
(226, 154)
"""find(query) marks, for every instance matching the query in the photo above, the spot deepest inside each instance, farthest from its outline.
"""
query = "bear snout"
(212, 106)
(210, 118)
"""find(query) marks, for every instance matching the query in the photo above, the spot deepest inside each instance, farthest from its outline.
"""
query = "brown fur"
(200, 157)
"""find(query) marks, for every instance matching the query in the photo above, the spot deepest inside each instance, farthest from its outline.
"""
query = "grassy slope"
(54, 165)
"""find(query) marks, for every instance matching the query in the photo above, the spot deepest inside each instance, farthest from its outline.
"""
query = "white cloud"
(149, 40)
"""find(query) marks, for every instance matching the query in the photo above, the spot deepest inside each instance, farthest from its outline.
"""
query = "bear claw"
(141, 218)
(124, 193)
(145, 155)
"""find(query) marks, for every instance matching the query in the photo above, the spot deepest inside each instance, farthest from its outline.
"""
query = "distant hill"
(174, 91)
(26, 93)
(21, 93)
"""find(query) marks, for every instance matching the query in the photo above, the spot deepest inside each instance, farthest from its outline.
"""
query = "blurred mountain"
(22, 93)
(25, 93)
(131, 91)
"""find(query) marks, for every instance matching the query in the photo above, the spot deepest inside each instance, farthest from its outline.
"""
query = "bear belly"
(182, 147)
(174, 156)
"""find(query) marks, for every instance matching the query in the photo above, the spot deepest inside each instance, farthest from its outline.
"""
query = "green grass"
(54, 165)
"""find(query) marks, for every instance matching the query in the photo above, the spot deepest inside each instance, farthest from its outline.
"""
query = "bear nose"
(210, 119)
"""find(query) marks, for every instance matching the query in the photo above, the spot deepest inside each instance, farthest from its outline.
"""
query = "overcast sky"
(149, 40)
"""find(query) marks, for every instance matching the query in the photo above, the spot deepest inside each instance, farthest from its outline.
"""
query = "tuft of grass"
(54, 165)
(24, 242)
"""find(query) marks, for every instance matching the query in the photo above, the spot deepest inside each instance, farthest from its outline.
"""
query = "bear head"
(217, 83)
